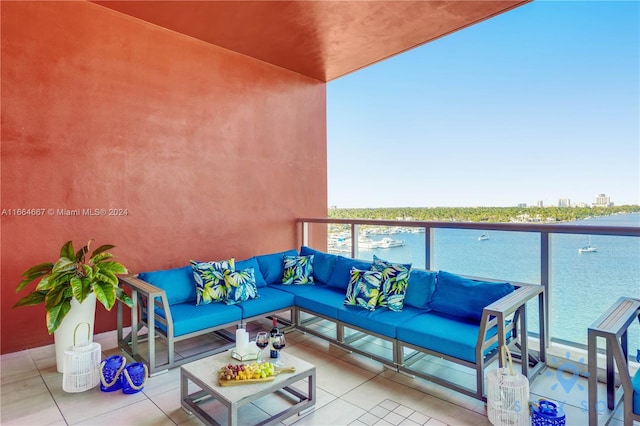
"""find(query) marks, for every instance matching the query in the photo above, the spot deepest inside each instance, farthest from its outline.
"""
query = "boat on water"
(390, 243)
(367, 243)
(483, 237)
(588, 248)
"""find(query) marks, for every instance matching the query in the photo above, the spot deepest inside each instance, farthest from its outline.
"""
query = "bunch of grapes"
(255, 370)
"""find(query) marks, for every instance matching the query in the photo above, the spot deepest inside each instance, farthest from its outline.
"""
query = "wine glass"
(278, 343)
(262, 341)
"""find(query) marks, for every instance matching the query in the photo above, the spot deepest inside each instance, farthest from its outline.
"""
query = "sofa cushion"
(420, 290)
(465, 298)
(380, 321)
(272, 265)
(322, 264)
(395, 279)
(252, 262)
(321, 300)
(209, 277)
(178, 283)
(241, 286)
(363, 289)
(270, 300)
(298, 270)
(189, 318)
(341, 273)
(444, 334)
(635, 383)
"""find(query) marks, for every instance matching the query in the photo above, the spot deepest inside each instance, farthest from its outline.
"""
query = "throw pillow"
(465, 298)
(395, 280)
(298, 270)
(209, 276)
(241, 286)
(363, 289)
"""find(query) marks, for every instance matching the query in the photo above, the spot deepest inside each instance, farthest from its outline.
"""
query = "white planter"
(79, 313)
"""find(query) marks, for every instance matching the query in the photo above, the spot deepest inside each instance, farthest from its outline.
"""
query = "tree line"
(481, 214)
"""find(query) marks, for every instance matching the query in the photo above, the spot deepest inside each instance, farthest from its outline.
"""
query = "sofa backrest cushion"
(178, 283)
(252, 262)
(465, 298)
(323, 264)
(420, 290)
(272, 265)
(341, 273)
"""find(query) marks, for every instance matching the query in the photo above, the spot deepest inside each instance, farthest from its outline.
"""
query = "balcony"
(355, 390)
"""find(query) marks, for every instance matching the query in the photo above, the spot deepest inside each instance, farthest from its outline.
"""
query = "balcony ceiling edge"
(323, 40)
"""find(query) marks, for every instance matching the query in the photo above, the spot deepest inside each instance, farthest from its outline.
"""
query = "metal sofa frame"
(505, 314)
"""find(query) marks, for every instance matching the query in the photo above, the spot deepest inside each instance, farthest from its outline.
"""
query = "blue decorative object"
(133, 377)
(547, 413)
(110, 370)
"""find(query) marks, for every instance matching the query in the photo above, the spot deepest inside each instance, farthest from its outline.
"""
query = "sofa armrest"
(513, 305)
(142, 287)
(147, 298)
(510, 303)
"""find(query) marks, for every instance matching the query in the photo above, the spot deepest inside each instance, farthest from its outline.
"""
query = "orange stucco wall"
(212, 154)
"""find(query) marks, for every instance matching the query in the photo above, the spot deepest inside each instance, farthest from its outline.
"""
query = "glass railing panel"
(339, 239)
(502, 255)
(581, 285)
(585, 282)
(393, 244)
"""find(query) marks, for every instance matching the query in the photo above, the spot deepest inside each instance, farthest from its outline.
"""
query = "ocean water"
(583, 285)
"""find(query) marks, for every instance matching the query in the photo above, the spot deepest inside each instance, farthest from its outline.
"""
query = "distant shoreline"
(482, 214)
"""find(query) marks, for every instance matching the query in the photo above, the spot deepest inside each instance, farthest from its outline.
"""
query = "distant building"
(540, 204)
(522, 205)
(564, 202)
(602, 201)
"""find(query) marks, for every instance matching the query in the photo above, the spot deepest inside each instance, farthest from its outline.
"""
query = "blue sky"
(539, 103)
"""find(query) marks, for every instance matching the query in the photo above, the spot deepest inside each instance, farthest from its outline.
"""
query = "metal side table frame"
(612, 326)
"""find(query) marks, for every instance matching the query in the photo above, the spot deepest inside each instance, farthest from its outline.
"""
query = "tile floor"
(351, 390)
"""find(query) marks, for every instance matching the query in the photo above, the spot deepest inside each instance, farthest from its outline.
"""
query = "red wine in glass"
(278, 343)
(262, 341)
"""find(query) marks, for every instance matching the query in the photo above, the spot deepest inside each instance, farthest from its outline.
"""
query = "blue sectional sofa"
(395, 314)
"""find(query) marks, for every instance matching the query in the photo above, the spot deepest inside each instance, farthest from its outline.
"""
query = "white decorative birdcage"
(507, 395)
(81, 370)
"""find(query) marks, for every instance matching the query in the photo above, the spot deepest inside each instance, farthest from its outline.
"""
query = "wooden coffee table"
(204, 374)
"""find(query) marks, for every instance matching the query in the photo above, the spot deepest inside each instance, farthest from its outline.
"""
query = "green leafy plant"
(74, 276)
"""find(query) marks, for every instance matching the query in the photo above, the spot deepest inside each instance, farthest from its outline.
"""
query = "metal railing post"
(545, 268)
